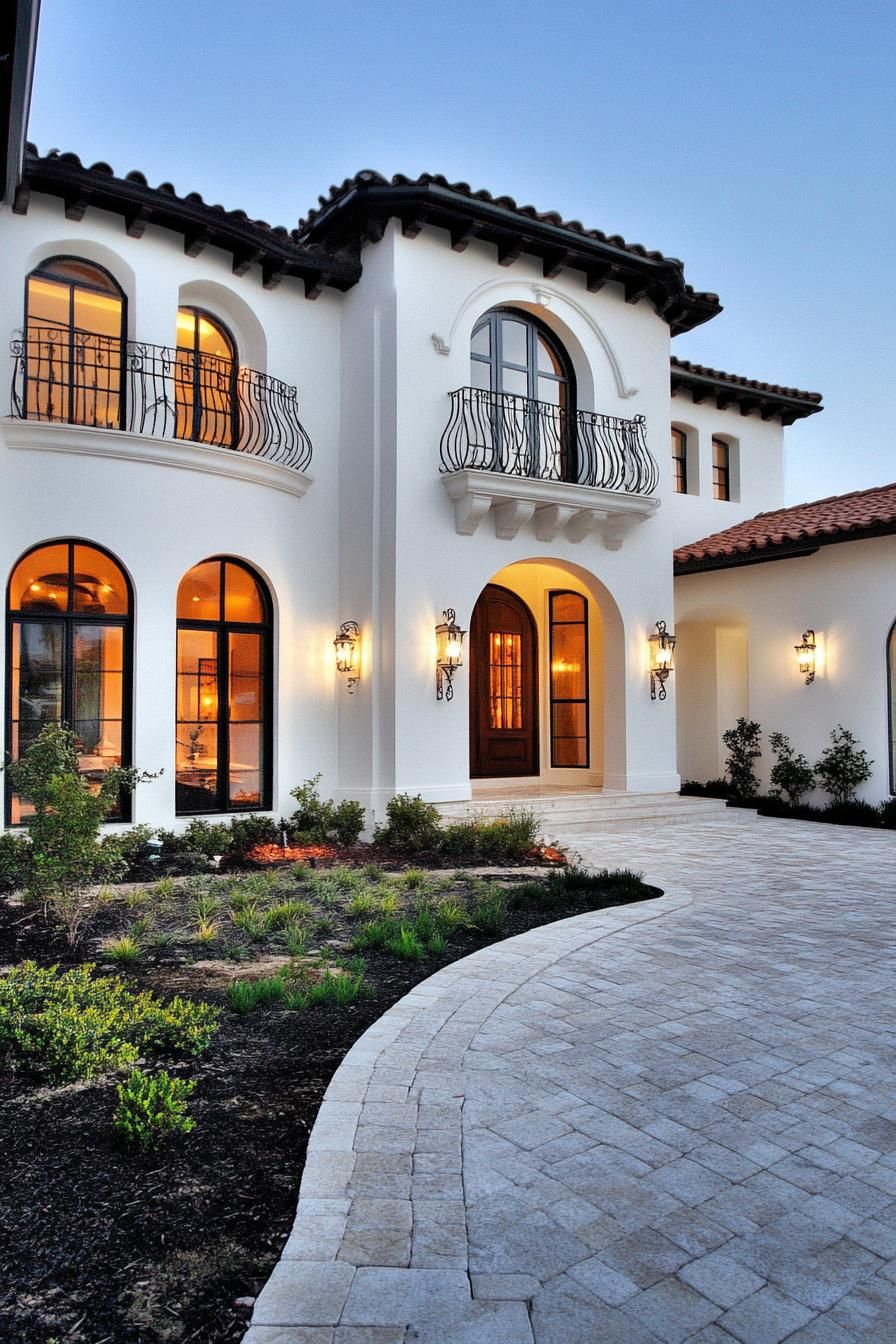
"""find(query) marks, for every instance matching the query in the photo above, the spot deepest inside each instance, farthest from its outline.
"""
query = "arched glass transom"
(205, 380)
(525, 383)
(73, 345)
(69, 657)
(223, 725)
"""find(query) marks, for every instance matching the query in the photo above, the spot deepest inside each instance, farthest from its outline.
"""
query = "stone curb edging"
(384, 1162)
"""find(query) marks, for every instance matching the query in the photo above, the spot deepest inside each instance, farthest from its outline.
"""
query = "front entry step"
(570, 813)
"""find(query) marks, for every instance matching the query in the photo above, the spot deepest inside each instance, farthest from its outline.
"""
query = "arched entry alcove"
(547, 684)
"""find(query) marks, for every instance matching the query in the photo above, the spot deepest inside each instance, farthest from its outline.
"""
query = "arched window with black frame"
(224, 689)
(70, 657)
(205, 380)
(891, 702)
(72, 350)
(524, 390)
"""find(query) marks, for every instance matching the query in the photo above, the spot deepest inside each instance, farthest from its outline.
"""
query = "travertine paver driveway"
(672, 1122)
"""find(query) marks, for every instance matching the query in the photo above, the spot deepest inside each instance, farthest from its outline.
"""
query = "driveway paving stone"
(674, 1121)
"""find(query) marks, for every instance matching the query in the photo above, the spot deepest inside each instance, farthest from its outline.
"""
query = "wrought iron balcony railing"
(76, 377)
(516, 436)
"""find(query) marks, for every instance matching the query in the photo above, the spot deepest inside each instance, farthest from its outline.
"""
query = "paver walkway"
(674, 1121)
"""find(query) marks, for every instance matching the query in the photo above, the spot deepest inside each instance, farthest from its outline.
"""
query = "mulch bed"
(103, 1247)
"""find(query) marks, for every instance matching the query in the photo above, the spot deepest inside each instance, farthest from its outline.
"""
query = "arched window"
(73, 345)
(205, 380)
(891, 701)
(679, 461)
(223, 728)
(525, 378)
(69, 656)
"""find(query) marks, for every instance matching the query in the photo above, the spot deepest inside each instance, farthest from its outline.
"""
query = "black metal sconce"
(348, 653)
(806, 654)
(662, 660)
(449, 654)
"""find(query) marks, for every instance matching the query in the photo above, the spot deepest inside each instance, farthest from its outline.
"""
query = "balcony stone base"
(554, 508)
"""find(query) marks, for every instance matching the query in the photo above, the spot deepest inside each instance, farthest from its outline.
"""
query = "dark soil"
(98, 1246)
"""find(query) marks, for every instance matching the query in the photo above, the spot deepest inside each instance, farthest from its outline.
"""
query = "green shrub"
(305, 988)
(151, 1108)
(296, 941)
(67, 857)
(178, 858)
(888, 814)
(361, 905)
(713, 788)
(134, 849)
(286, 913)
(743, 746)
(412, 826)
(210, 838)
(791, 775)
(247, 832)
(460, 840)
(843, 766)
(490, 911)
(15, 851)
(70, 1025)
(244, 995)
(323, 822)
(853, 812)
(509, 839)
(124, 951)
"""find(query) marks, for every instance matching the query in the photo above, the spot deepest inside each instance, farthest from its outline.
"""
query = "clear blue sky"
(753, 140)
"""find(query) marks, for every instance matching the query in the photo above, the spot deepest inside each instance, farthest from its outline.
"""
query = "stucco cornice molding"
(557, 508)
(118, 445)
(545, 297)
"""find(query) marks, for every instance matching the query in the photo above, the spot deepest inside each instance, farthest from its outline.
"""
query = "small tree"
(843, 766)
(743, 746)
(67, 862)
(791, 774)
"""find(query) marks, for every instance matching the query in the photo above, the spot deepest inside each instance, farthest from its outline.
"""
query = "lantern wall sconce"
(449, 654)
(348, 653)
(805, 652)
(662, 660)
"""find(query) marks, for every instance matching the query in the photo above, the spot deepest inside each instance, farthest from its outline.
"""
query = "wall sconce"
(662, 652)
(348, 653)
(805, 652)
(449, 654)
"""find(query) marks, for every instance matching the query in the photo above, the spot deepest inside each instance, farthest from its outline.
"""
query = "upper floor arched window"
(205, 380)
(525, 378)
(69, 656)
(224, 681)
(73, 344)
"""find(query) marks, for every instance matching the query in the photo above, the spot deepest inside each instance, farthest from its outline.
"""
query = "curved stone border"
(385, 1161)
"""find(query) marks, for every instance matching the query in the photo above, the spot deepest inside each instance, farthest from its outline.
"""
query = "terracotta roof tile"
(837, 518)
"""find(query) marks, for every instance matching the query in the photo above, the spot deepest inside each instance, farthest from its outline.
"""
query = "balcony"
(156, 392)
(528, 460)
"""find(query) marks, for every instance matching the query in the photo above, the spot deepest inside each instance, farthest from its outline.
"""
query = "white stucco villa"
(223, 445)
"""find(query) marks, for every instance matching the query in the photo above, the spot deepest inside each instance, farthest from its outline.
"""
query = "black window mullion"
(223, 718)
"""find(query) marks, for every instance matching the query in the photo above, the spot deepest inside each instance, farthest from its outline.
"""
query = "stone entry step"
(571, 813)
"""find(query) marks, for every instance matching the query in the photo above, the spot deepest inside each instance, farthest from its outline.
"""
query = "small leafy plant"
(412, 825)
(843, 766)
(743, 746)
(151, 1108)
(791, 775)
(323, 821)
(67, 862)
(124, 951)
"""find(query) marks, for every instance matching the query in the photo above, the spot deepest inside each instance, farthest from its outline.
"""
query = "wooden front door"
(504, 690)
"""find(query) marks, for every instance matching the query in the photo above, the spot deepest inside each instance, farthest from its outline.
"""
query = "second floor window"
(721, 469)
(205, 380)
(680, 461)
(527, 387)
(73, 345)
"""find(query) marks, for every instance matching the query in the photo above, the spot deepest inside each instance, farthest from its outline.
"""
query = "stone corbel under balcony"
(555, 507)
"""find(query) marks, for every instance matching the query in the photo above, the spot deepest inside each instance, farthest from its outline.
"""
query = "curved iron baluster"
(517, 436)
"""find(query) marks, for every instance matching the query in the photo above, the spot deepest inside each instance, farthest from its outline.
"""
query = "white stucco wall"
(845, 593)
(160, 520)
(757, 468)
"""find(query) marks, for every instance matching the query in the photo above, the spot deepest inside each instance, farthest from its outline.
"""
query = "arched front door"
(504, 690)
